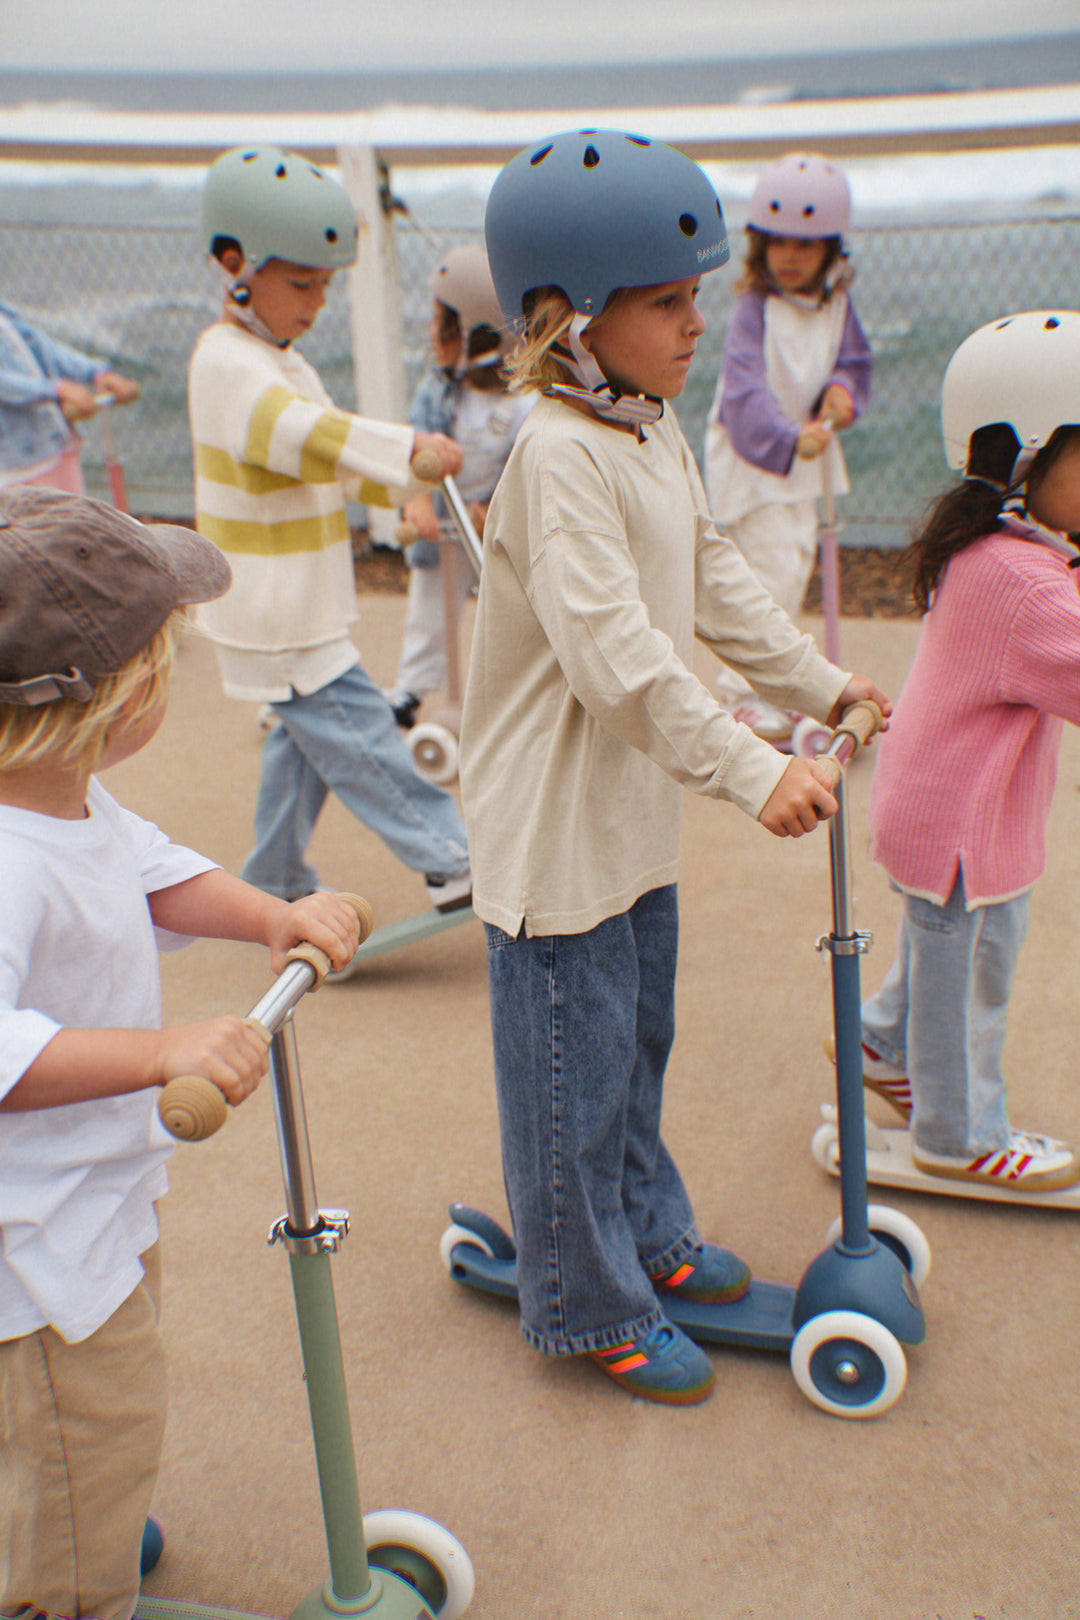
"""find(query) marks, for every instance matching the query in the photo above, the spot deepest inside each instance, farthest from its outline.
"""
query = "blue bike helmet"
(597, 209)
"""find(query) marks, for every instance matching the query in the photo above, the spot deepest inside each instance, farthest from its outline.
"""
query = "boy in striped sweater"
(275, 461)
(965, 774)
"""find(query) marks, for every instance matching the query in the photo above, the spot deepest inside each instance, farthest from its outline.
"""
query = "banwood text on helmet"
(1023, 371)
(801, 195)
(278, 205)
(594, 210)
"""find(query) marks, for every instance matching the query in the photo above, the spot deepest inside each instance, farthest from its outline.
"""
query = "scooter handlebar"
(857, 725)
(191, 1107)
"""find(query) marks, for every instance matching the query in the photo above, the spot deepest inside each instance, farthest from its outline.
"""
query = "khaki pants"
(81, 1429)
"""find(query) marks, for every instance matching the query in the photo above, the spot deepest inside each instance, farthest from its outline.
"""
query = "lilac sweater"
(966, 771)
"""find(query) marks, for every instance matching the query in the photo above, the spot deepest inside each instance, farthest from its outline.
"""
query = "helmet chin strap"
(238, 303)
(634, 410)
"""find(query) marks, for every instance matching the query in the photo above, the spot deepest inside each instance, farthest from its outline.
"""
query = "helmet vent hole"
(638, 140)
(1052, 324)
(538, 157)
(774, 207)
(808, 211)
(249, 157)
(688, 224)
(281, 171)
(591, 158)
(331, 234)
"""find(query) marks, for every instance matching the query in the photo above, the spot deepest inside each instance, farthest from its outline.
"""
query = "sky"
(312, 35)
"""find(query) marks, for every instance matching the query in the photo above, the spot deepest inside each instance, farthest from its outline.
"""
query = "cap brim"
(199, 568)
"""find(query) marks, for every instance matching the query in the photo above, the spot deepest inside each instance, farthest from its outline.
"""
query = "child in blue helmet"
(275, 461)
(582, 723)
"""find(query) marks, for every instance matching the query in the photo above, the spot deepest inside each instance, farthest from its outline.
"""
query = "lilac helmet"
(802, 195)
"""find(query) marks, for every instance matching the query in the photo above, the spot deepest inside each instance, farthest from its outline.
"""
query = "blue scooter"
(857, 1305)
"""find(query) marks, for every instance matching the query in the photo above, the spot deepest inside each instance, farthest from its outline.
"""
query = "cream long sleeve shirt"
(583, 720)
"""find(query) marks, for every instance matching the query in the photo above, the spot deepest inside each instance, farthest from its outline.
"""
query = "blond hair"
(68, 731)
(548, 314)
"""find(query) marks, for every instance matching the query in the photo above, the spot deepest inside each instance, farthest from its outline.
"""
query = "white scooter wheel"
(425, 1554)
(461, 1234)
(896, 1231)
(809, 738)
(435, 752)
(848, 1364)
(825, 1146)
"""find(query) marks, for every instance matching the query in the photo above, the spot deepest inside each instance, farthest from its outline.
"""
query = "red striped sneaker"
(1029, 1163)
(713, 1276)
(884, 1079)
(664, 1365)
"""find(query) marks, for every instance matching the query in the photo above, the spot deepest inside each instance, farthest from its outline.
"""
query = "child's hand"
(225, 1050)
(325, 920)
(75, 400)
(450, 454)
(420, 512)
(799, 800)
(122, 389)
(813, 440)
(838, 407)
(478, 510)
(860, 687)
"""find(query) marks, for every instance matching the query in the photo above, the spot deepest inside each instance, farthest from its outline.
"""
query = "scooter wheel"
(825, 1146)
(896, 1231)
(848, 1364)
(425, 1555)
(461, 1234)
(809, 738)
(435, 752)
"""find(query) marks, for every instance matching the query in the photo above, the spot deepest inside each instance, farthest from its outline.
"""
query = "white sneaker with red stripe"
(1030, 1162)
(884, 1079)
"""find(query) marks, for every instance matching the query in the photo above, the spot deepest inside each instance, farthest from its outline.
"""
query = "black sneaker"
(404, 705)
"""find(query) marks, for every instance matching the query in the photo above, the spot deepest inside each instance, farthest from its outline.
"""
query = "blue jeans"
(582, 1025)
(941, 1014)
(343, 739)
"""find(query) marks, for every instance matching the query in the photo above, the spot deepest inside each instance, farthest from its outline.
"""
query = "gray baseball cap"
(84, 587)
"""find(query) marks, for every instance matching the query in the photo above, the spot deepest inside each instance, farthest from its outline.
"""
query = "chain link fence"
(139, 297)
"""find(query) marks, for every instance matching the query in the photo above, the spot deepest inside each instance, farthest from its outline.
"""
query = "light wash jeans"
(582, 1025)
(343, 739)
(940, 1015)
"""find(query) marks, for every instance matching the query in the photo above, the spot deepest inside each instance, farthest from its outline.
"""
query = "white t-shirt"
(78, 949)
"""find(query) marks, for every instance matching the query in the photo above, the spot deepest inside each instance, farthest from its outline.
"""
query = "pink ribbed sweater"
(966, 771)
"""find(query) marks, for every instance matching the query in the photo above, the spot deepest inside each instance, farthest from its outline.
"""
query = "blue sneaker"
(153, 1543)
(663, 1365)
(709, 1275)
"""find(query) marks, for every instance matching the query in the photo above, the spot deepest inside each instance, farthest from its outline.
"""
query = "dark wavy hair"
(970, 510)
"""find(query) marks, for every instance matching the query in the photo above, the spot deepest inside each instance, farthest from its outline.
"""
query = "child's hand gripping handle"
(857, 725)
(191, 1107)
(427, 466)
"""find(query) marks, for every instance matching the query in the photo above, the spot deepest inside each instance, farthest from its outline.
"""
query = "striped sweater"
(965, 774)
(275, 461)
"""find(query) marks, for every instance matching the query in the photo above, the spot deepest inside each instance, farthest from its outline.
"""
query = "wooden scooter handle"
(857, 725)
(427, 466)
(191, 1107)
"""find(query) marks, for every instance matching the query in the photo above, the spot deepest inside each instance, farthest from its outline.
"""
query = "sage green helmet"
(278, 205)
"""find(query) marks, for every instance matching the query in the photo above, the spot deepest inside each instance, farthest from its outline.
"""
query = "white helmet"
(278, 205)
(801, 195)
(1022, 371)
(462, 281)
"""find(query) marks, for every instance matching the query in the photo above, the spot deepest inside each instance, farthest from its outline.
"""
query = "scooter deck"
(761, 1320)
(889, 1164)
(394, 935)
(163, 1608)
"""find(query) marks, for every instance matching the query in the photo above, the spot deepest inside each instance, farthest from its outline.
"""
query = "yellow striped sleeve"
(264, 419)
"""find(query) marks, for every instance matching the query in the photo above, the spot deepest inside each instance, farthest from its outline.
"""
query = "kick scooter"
(857, 1304)
(434, 745)
(809, 737)
(390, 1565)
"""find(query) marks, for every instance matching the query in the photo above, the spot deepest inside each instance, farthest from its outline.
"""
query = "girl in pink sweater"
(966, 772)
